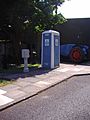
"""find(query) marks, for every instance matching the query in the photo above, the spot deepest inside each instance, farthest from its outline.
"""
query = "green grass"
(5, 82)
(30, 65)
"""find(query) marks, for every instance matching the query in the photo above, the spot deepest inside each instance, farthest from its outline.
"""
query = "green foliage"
(21, 20)
(38, 14)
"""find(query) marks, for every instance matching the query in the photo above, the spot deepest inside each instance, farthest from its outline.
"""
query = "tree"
(28, 13)
(19, 16)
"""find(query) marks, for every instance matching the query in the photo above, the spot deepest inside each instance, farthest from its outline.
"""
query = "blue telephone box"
(50, 53)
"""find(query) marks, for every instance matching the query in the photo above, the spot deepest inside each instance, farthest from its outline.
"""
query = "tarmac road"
(69, 100)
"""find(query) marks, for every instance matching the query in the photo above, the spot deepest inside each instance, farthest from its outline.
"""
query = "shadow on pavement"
(32, 72)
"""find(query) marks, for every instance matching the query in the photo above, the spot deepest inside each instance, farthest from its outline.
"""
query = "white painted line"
(2, 91)
(4, 100)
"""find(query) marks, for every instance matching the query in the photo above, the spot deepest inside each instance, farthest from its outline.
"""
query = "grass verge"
(5, 82)
(13, 69)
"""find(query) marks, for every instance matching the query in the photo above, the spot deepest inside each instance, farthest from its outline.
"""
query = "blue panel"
(56, 50)
(66, 48)
(47, 50)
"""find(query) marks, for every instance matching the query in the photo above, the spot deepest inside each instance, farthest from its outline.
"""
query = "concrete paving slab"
(42, 84)
(15, 94)
(2, 91)
(22, 83)
(42, 76)
(32, 89)
(64, 70)
(4, 100)
(28, 79)
(10, 87)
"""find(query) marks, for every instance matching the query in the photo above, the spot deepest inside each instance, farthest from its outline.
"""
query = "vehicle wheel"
(76, 55)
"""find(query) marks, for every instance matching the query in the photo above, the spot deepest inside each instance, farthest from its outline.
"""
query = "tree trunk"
(17, 48)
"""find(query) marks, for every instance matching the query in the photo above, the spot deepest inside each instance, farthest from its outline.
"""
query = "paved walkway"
(28, 85)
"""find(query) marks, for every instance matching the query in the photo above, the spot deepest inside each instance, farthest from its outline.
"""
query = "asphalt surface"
(69, 100)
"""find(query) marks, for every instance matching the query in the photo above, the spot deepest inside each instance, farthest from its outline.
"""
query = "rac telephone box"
(50, 52)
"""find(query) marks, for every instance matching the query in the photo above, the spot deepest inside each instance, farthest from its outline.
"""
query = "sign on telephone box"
(25, 56)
